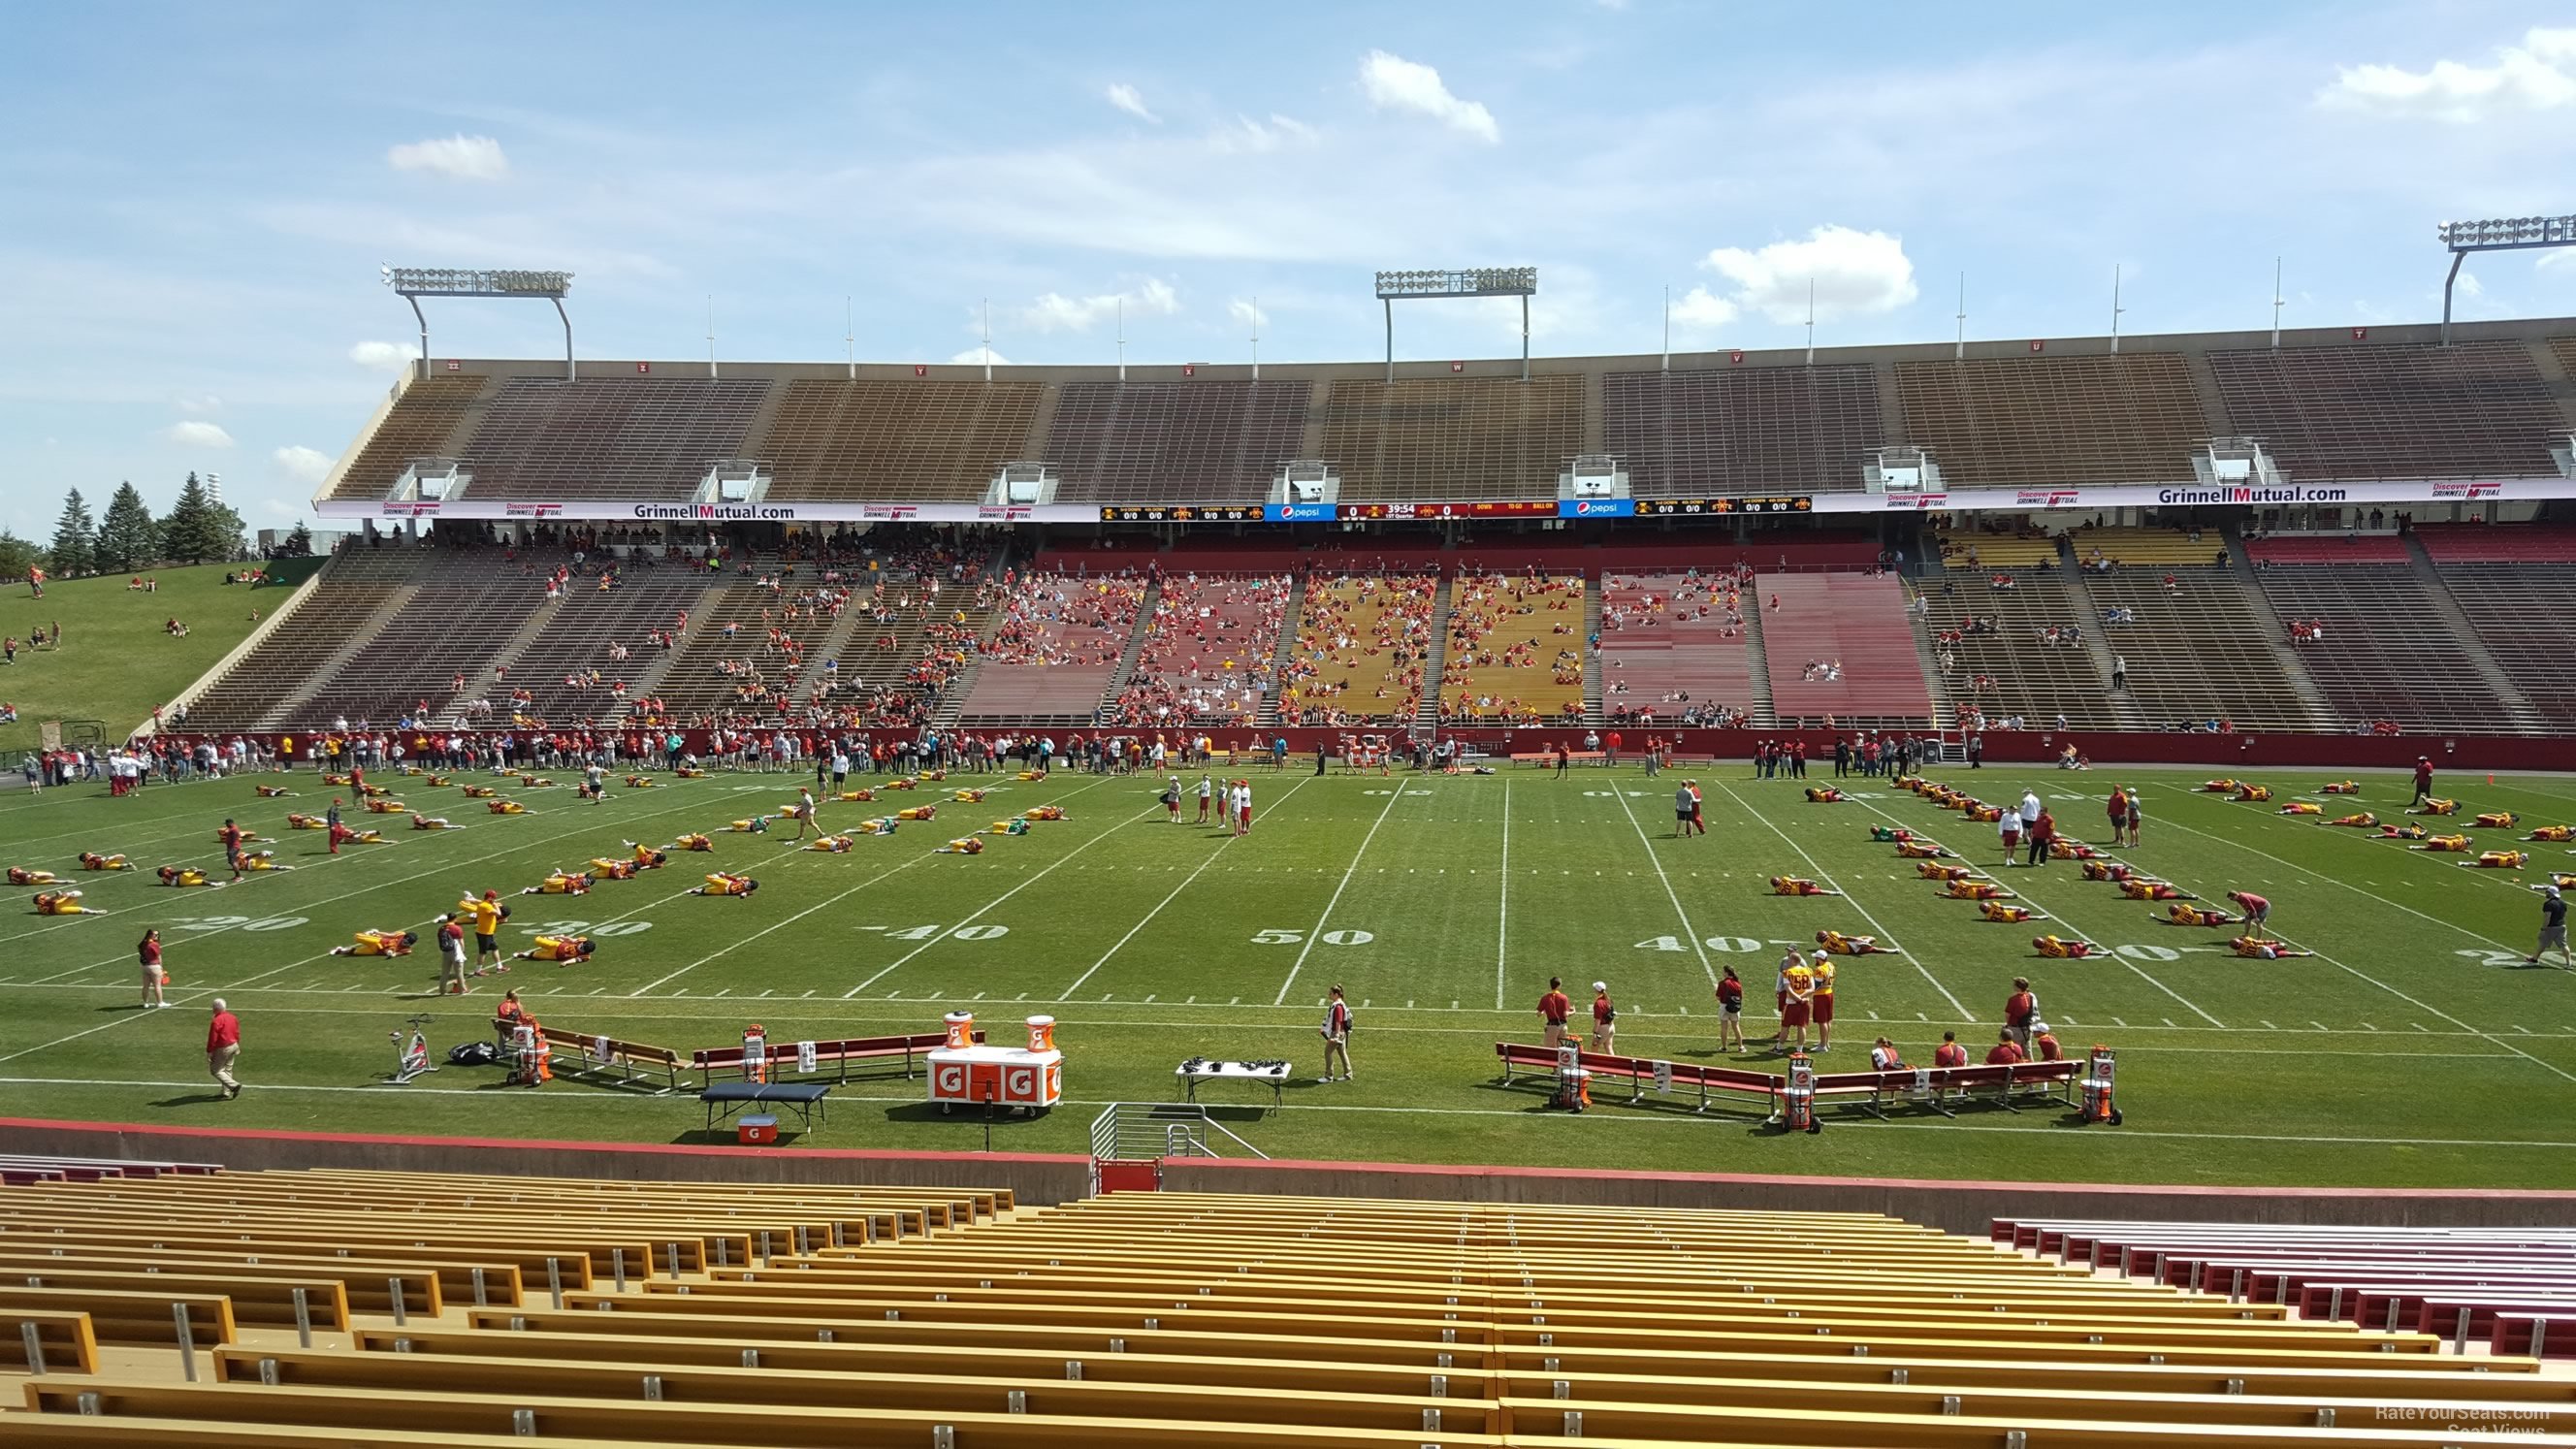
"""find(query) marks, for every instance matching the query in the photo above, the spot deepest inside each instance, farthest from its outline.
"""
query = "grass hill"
(116, 663)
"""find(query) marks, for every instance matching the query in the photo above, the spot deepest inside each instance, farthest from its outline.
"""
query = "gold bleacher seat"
(2042, 421)
(1424, 439)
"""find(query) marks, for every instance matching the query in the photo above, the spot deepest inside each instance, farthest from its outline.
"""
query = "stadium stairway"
(1426, 715)
(2322, 713)
(1594, 713)
(2097, 644)
(1284, 649)
(1120, 677)
(507, 656)
(2522, 716)
(1760, 708)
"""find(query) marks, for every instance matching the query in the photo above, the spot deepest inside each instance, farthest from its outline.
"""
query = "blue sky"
(194, 199)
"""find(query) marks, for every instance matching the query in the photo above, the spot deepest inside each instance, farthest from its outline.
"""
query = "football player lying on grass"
(2153, 890)
(272, 792)
(1824, 795)
(2403, 832)
(505, 807)
(2061, 848)
(560, 883)
(2340, 787)
(1998, 911)
(2445, 844)
(1976, 890)
(607, 868)
(2435, 807)
(1931, 871)
(2555, 834)
(562, 950)
(2179, 914)
(756, 825)
(2218, 787)
(963, 845)
(432, 822)
(63, 903)
(182, 875)
(478, 792)
(642, 782)
(1919, 850)
(259, 860)
(2497, 820)
(693, 842)
(92, 860)
(2110, 870)
(1016, 825)
(379, 943)
(1897, 833)
(856, 797)
(2498, 860)
(720, 883)
(2303, 807)
(2364, 820)
(2064, 950)
(1835, 943)
(830, 844)
(1043, 812)
(2253, 794)
(2256, 949)
(1790, 885)
(21, 875)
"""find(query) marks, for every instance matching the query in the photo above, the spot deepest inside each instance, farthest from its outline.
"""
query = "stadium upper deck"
(2385, 409)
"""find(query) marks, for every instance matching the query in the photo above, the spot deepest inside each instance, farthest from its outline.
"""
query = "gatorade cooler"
(1041, 1033)
(2098, 1105)
(1574, 1088)
(1798, 1096)
(961, 1030)
(755, 1053)
(757, 1129)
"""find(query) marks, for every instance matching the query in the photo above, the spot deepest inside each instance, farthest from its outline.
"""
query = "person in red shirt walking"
(1554, 1009)
(1337, 1036)
(223, 1048)
(1605, 1017)
(1730, 1011)
(231, 836)
(148, 951)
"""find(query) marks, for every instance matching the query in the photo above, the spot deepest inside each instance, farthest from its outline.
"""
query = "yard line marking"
(1503, 912)
(1884, 934)
(828, 901)
(1213, 855)
(997, 900)
(1697, 947)
(2137, 970)
(1321, 921)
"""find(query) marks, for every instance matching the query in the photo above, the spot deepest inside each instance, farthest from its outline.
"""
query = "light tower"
(413, 283)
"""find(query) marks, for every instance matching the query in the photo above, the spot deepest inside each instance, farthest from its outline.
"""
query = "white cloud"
(2553, 261)
(2537, 75)
(1126, 98)
(384, 356)
(1852, 273)
(198, 435)
(467, 158)
(202, 403)
(975, 357)
(1056, 312)
(1700, 310)
(1394, 83)
(1247, 134)
(304, 465)
(1246, 314)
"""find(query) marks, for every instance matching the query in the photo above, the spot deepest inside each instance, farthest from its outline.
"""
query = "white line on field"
(1955, 1003)
(1175, 895)
(1698, 947)
(1321, 921)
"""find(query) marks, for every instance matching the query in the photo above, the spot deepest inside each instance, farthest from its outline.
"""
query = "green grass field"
(2412, 1049)
(117, 663)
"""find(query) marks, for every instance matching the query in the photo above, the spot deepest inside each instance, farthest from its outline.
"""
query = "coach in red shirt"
(2005, 1052)
(1553, 1010)
(223, 1048)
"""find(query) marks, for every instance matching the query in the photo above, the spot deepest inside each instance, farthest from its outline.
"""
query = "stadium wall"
(2003, 747)
(1037, 1179)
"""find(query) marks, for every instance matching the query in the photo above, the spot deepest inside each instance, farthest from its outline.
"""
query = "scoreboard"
(1510, 508)
(1702, 507)
(1182, 513)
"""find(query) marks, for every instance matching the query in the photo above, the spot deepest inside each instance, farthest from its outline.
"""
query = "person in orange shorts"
(1790, 885)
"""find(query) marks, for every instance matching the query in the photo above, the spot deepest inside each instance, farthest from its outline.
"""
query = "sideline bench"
(1940, 1088)
(802, 1098)
(632, 1058)
(782, 1054)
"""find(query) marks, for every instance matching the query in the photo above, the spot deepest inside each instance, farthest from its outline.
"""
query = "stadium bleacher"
(1483, 437)
(1362, 646)
(864, 439)
(2387, 652)
(2200, 652)
(422, 423)
(2471, 409)
(1515, 649)
(2018, 670)
(1059, 644)
(1841, 653)
(2127, 417)
(544, 438)
(1207, 651)
(592, 1311)
(1209, 441)
(1700, 432)
(1673, 645)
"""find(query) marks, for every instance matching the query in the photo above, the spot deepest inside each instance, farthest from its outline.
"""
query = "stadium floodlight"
(1394, 287)
(2497, 234)
(413, 283)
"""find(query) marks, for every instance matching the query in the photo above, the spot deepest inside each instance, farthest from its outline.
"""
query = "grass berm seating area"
(693, 1314)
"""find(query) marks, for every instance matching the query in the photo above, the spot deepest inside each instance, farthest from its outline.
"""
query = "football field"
(2412, 1048)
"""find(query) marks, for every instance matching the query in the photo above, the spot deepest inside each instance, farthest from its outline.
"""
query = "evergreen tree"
(299, 543)
(199, 530)
(74, 538)
(128, 539)
(17, 556)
